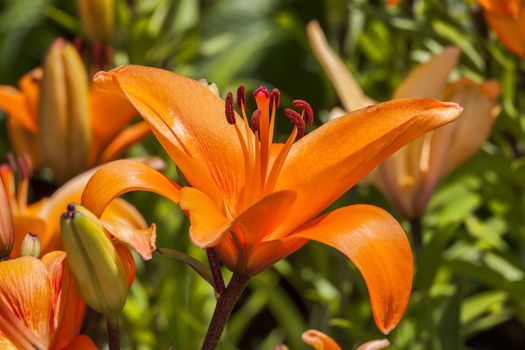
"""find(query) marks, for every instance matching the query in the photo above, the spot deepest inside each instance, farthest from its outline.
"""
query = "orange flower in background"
(39, 305)
(507, 19)
(121, 219)
(320, 341)
(255, 201)
(409, 177)
(61, 122)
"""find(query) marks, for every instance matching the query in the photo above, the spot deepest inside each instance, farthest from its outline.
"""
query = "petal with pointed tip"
(375, 242)
(327, 162)
(81, 342)
(429, 79)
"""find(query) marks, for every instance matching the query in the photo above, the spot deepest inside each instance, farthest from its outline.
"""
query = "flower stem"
(113, 332)
(225, 304)
(218, 280)
(417, 234)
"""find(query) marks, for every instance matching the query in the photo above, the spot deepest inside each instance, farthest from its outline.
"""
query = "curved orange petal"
(142, 240)
(319, 340)
(208, 223)
(430, 78)
(81, 342)
(509, 8)
(375, 345)
(327, 162)
(348, 89)
(510, 30)
(16, 106)
(121, 176)
(123, 140)
(127, 260)
(375, 242)
(110, 113)
(69, 312)
(25, 302)
(189, 121)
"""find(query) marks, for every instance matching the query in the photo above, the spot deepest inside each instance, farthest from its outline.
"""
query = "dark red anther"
(261, 90)
(256, 117)
(308, 111)
(241, 96)
(25, 166)
(275, 97)
(297, 120)
(229, 108)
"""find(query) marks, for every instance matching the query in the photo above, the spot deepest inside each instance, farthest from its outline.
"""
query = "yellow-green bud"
(63, 116)
(6, 224)
(93, 260)
(30, 245)
(97, 19)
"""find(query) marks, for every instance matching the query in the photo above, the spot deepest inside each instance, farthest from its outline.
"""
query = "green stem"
(417, 234)
(113, 332)
(225, 304)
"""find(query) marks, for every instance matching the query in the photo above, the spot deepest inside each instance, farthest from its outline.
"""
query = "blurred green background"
(469, 290)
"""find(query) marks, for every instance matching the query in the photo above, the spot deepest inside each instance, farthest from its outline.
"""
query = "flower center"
(263, 159)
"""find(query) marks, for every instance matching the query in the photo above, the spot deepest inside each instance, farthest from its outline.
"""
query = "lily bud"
(94, 261)
(64, 117)
(97, 19)
(6, 224)
(30, 245)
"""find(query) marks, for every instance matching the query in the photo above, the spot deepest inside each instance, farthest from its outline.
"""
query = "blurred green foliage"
(469, 289)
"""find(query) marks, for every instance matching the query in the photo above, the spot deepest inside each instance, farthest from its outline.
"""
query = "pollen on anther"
(261, 90)
(241, 96)
(256, 117)
(308, 111)
(297, 120)
(229, 108)
(275, 98)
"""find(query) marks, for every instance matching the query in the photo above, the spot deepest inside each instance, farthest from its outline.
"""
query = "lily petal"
(188, 119)
(510, 30)
(327, 162)
(123, 140)
(121, 176)
(208, 224)
(127, 260)
(25, 302)
(481, 111)
(17, 107)
(375, 345)
(81, 342)
(319, 340)
(375, 242)
(142, 240)
(502, 8)
(430, 79)
(69, 312)
(347, 87)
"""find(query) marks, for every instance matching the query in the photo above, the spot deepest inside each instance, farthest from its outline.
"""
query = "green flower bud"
(30, 245)
(97, 19)
(94, 261)
(64, 116)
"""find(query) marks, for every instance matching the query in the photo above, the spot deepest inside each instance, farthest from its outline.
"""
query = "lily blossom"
(409, 177)
(320, 341)
(255, 201)
(39, 305)
(507, 19)
(121, 220)
(37, 114)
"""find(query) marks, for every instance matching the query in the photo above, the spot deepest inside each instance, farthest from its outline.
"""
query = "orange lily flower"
(253, 200)
(507, 19)
(121, 219)
(104, 114)
(320, 341)
(409, 177)
(39, 305)
(393, 2)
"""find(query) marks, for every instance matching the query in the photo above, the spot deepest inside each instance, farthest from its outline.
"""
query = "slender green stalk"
(417, 234)
(225, 304)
